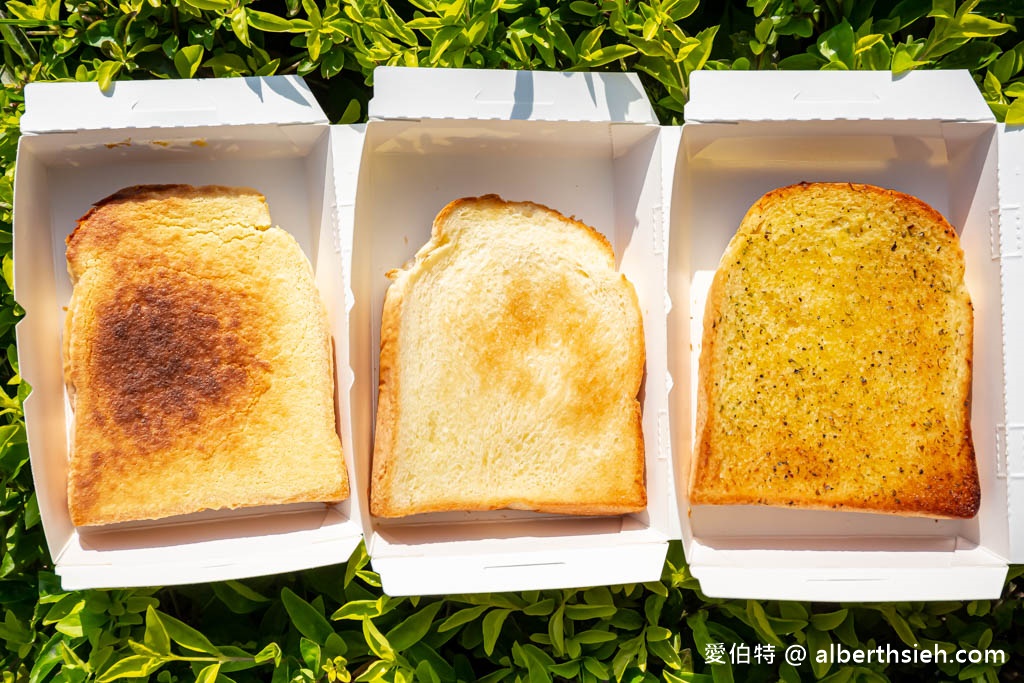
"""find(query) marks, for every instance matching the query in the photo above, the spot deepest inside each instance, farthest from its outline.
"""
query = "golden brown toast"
(835, 370)
(511, 357)
(198, 359)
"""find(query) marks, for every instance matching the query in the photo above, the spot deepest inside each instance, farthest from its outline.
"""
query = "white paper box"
(80, 145)
(928, 134)
(585, 145)
(1009, 246)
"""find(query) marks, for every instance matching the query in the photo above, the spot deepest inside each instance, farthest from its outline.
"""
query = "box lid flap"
(410, 93)
(164, 556)
(732, 96)
(899, 569)
(59, 107)
(504, 565)
(1008, 245)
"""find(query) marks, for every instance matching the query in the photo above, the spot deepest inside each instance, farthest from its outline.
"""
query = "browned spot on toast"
(168, 351)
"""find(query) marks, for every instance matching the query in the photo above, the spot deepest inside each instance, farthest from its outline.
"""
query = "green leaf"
(841, 676)
(1015, 114)
(759, 620)
(541, 608)
(188, 59)
(556, 630)
(186, 636)
(314, 43)
(156, 637)
(580, 612)
(425, 23)
(594, 636)
(306, 619)
(1009, 64)
(443, 39)
(209, 674)
(238, 597)
(134, 666)
(227, 65)
(352, 113)
(209, 4)
(837, 44)
(976, 26)
(696, 58)
(425, 673)
(589, 40)
(608, 54)
(865, 43)
(680, 9)
(586, 9)
(492, 624)
(802, 62)
(903, 58)
(627, 619)
(310, 652)
(271, 653)
(378, 643)
(798, 26)
(943, 9)
(106, 73)
(47, 658)
(900, 625)
(829, 620)
(463, 616)
(240, 25)
(413, 628)
(271, 23)
(818, 641)
(360, 609)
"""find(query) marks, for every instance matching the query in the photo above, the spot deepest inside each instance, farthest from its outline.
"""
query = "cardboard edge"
(503, 94)
(845, 585)
(39, 430)
(73, 106)
(722, 96)
(467, 573)
(103, 576)
(1008, 247)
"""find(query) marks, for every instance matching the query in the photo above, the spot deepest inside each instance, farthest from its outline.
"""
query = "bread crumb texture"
(511, 357)
(836, 362)
(198, 358)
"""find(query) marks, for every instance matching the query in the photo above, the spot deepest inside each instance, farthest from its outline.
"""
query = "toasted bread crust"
(859, 440)
(179, 365)
(617, 499)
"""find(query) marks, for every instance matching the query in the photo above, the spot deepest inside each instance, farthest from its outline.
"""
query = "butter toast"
(835, 368)
(511, 357)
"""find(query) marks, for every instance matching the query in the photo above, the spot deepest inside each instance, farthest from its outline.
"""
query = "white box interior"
(59, 177)
(608, 176)
(722, 169)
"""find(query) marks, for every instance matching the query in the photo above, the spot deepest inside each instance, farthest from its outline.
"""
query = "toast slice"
(835, 370)
(511, 357)
(197, 357)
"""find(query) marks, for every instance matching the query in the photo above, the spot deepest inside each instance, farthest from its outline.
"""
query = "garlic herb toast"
(835, 369)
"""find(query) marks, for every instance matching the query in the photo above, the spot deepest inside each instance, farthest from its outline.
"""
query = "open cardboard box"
(80, 145)
(667, 198)
(586, 145)
(929, 134)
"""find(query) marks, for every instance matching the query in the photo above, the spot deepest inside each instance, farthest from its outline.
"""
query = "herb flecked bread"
(197, 357)
(511, 357)
(836, 363)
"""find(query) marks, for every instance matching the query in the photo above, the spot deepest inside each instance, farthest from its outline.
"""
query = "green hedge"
(334, 624)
